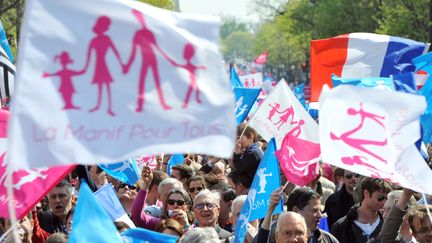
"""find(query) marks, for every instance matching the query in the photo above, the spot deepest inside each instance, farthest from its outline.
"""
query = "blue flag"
(140, 235)
(174, 160)
(90, 221)
(266, 180)
(381, 83)
(424, 62)
(299, 93)
(235, 80)
(245, 99)
(5, 44)
(107, 198)
(405, 82)
(126, 171)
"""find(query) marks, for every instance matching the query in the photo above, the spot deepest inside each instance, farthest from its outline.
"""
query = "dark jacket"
(51, 223)
(247, 162)
(390, 228)
(346, 231)
(337, 205)
(321, 236)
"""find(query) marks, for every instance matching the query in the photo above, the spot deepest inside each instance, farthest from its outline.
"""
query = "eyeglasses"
(201, 206)
(123, 185)
(381, 198)
(172, 202)
(192, 189)
(350, 176)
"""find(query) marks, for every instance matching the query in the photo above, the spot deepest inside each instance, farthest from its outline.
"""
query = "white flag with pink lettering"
(372, 132)
(108, 80)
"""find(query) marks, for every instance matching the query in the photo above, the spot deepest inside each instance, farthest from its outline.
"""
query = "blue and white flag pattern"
(376, 82)
(266, 180)
(245, 99)
(174, 160)
(234, 78)
(5, 44)
(141, 235)
(125, 171)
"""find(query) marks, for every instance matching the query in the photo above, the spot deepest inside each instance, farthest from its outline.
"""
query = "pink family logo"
(283, 118)
(144, 42)
(359, 143)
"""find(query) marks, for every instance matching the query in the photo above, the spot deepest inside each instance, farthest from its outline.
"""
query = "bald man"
(291, 227)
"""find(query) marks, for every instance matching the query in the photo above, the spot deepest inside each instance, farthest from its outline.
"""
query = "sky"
(242, 9)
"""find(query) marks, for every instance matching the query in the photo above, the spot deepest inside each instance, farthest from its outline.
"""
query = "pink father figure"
(100, 44)
(66, 88)
(145, 41)
(188, 53)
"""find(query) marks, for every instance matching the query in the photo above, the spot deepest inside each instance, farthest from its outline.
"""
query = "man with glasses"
(291, 227)
(363, 221)
(338, 204)
(206, 208)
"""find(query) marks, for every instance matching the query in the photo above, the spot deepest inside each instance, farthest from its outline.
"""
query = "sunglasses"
(350, 176)
(178, 202)
(192, 189)
(381, 198)
(201, 206)
(123, 185)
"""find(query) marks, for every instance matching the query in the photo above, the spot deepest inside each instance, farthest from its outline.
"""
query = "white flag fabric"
(281, 113)
(372, 132)
(108, 80)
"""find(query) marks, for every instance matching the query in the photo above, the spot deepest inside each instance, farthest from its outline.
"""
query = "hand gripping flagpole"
(11, 206)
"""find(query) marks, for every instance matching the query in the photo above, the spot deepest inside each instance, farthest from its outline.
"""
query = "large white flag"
(372, 132)
(281, 113)
(107, 80)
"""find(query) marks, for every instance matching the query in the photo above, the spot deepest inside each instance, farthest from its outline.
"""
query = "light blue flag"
(174, 160)
(90, 221)
(266, 180)
(245, 99)
(378, 83)
(235, 80)
(5, 44)
(107, 198)
(299, 93)
(140, 235)
(424, 62)
(126, 171)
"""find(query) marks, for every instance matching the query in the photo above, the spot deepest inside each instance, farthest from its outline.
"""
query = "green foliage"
(166, 4)
(229, 25)
(11, 12)
(238, 45)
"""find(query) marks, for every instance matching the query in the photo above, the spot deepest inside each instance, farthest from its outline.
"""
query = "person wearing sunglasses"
(206, 208)
(338, 204)
(195, 184)
(126, 194)
(177, 206)
(363, 221)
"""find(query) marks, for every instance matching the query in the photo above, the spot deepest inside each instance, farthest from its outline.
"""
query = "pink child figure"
(100, 45)
(188, 53)
(66, 88)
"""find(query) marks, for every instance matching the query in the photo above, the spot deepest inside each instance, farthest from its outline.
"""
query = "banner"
(120, 79)
(252, 80)
(245, 99)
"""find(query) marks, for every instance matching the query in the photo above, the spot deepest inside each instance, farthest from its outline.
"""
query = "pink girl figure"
(101, 44)
(66, 88)
(188, 53)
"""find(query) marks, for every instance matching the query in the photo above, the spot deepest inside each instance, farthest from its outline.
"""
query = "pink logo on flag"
(149, 161)
(283, 118)
(29, 186)
(299, 159)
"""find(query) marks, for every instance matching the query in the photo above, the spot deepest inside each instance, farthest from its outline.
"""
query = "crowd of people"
(202, 199)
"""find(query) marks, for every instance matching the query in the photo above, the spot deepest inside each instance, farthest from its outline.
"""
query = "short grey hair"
(214, 195)
(169, 181)
(200, 235)
(290, 214)
(238, 200)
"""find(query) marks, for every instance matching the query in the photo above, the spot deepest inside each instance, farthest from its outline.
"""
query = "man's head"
(350, 180)
(166, 186)
(249, 136)
(420, 224)
(181, 172)
(60, 199)
(158, 177)
(227, 196)
(291, 227)
(206, 208)
(240, 182)
(196, 184)
(307, 203)
(236, 208)
(374, 193)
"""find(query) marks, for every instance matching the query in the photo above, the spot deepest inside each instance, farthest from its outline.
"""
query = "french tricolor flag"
(360, 55)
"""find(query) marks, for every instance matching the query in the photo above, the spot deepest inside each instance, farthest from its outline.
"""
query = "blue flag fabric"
(299, 93)
(424, 62)
(266, 180)
(378, 82)
(5, 44)
(140, 235)
(174, 160)
(405, 82)
(107, 198)
(90, 221)
(235, 80)
(245, 99)
(125, 171)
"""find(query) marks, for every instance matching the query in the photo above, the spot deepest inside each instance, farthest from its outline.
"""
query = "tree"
(11, 12)
(166, 4)
(238, 45)
(229, 25)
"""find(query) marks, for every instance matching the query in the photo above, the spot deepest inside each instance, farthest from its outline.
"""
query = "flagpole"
(11, 206)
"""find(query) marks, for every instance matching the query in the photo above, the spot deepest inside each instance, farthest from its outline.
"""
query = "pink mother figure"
(188, 53)
(146, 42)
(100, 45)
(66, 88)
